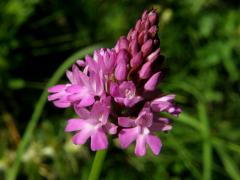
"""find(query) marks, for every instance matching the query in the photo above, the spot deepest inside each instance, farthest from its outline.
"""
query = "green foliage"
(200, 40)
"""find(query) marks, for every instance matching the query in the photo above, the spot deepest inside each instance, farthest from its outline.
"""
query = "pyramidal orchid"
(114, 92)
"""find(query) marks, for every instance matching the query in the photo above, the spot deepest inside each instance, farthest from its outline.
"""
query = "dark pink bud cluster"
(114, 92)
(142, 52)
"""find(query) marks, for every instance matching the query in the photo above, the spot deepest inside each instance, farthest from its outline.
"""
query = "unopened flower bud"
(121, 72)
(134, 47)
(152, 31)
(136, 61)
(81, 63)
(151, 84)
(123, 43)
(147, 24)
(138, 25)
(147, 47)
(145, 71)
(134, 34)
(152, 16)
(141, 37)
(122, 57)
(144, 16)
(153, 56)
(129, 36)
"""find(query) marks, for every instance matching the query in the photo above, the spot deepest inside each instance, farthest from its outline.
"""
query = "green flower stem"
(97, 165)
(13, 170)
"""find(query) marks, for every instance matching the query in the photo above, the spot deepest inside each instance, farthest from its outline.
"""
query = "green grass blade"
(185, 119)
(207, 160)
(228, 162)
(186, 156)
(206, 146)
(12, 172)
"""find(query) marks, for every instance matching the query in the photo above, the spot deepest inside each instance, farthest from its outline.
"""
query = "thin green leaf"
(186, 157)
(228, 162)
(206, 147)
(185, 119)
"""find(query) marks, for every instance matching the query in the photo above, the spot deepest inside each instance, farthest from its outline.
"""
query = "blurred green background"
(201, 42)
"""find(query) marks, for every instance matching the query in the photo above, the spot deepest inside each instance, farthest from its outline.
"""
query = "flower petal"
(82, 112)
(55, 96)
(131, 102)
(99, 140)
(91, 63)
(74, 88)
(77, 96)
(160, 126)
(111, 128)
(160, 106)
(62, 104)
(154, 143)
(126, 122)
(75, 125)
(127, 136)
(81, 63)
(82, 136)
(84, 78)
(140, 148)
(69, 75)
(75, 75)
(87, 101)
(165, 98)
(57, 88)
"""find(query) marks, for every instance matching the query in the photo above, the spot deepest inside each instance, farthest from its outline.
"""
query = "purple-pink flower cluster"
(114, 92)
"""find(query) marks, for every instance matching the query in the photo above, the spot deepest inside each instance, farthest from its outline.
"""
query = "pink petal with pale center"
(82, 136)
(140, 148)
(86, 101)
(57, 88)
(154, 143)
(99, 140)
(75, 125)
(61, 104)
(127, 136)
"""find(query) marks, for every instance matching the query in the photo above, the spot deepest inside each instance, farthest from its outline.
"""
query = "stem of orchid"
(97, 165)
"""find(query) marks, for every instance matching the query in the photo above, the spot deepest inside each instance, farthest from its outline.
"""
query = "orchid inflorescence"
(114, 92)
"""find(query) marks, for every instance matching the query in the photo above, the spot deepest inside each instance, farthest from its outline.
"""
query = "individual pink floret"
(81, 91)
(92, 124)
(139, 130)
(125, 93)
(165, 103)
